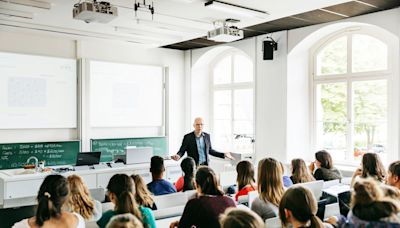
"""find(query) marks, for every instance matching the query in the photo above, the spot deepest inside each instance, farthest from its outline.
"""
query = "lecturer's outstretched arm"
(182, 150)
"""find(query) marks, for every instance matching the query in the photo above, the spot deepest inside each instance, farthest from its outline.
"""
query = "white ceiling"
(174, 20)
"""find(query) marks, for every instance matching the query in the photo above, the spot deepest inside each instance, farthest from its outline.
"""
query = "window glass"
(332, 59)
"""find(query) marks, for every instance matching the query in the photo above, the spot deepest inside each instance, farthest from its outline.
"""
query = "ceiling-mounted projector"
(93, 11)
(225, 33)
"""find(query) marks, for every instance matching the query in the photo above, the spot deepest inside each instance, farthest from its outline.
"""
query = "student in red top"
(204, 211)
(186, 182)
(245, 178)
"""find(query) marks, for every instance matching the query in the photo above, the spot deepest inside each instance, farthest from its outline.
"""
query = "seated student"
(79, 200)
(204, 210)
(393, 178)
(240, 218)
(159, 186)
(142, 194)
(245, 178)
(51, 196)
(270, 188)
(369, 207)
(124, 221)
(298, 207)
(287, 182)
(371, 166)
(121, 192)
(322, 168)
(186, 182)
(300, 173)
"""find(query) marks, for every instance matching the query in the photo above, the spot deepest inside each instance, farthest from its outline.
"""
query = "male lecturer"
(198, 145)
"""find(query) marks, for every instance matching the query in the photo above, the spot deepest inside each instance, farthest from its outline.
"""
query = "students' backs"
(67, 220)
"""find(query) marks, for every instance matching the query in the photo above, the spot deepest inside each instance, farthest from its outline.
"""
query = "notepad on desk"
(337, 189)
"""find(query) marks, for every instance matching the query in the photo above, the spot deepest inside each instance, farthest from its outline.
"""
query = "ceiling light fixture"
(15, 13)
(236, 9)
(146, 35)
(170, 27)
(32, 3)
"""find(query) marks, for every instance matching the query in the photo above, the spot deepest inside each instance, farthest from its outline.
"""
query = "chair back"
(315, 187)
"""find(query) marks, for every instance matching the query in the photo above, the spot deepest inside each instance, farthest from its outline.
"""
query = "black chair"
(9, 216)
(344, 202)
(321, 209)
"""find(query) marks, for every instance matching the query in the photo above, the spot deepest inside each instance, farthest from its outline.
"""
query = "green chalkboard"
(14, 155)
(111, 147)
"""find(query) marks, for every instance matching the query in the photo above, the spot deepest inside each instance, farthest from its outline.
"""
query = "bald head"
(198, 125)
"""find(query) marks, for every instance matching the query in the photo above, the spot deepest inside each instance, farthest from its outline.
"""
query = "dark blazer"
(189, 145)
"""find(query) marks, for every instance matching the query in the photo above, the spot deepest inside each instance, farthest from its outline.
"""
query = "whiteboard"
(37, 92)
(126, 95)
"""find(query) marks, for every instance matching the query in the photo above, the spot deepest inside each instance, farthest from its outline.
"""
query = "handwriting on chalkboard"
(111, 147)
(14, 155)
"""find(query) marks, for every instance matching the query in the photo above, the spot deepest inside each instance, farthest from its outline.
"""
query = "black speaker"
(269, 46)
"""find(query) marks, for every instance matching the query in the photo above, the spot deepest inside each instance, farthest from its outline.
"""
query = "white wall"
(270, 89)
(282, 85)
(114, 51)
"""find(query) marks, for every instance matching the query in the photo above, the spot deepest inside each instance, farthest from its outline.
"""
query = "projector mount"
(143, 5)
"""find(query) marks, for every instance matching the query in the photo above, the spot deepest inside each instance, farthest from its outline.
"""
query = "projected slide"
(37, 92)
(125, 95)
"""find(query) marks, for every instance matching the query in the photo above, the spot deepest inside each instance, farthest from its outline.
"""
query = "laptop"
(88, 158)
(138, 155)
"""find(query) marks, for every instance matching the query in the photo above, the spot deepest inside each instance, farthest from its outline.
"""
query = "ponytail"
(43, 211)
(122, 186)
(51, 197)
(126, 203)
(206, 179)
(188, 167)
(315, 222)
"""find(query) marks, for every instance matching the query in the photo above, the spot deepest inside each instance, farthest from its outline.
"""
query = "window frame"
(349, 77)
(232, 86)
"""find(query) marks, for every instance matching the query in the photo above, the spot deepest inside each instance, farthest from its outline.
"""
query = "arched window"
(351, 77)
(232, 100)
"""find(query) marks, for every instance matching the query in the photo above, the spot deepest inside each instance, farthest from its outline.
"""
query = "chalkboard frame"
(44, 143)
(127, 138)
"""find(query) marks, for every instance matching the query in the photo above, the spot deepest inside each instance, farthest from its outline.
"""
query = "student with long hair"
(142, 194)
(204, 210)
(51, 197)
(240, 218)
(245, 178)
(270, 188)
(322, 168)
(300, 173)
(80, 201)
(371, 166)
(121, 192)
(186, 182)
(298, 207)
(370, 207)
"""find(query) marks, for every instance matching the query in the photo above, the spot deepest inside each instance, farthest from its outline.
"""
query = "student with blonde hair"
(300, 173)
(142, 194)
(124, 221)
(298, 207)
(369, 207)
(270, 188)
(79, 200)
(240, 218)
